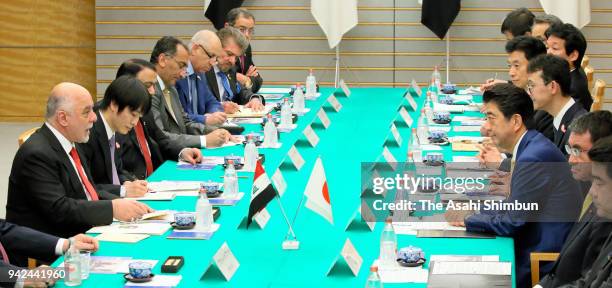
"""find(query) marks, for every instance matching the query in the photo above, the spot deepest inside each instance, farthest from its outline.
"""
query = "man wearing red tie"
(50, 188)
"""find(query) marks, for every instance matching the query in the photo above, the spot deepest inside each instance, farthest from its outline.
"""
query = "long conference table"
(357, 134)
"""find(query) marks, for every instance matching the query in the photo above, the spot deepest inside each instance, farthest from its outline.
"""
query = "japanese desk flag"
(317, 195)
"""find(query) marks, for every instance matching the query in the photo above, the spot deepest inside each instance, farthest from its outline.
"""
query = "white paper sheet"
(472, 268)
(132, 228)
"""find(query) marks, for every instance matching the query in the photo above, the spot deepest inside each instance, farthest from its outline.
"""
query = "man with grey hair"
(247, 74)
(222, 78)
(50, 187)
(542, 23)
(196, 98)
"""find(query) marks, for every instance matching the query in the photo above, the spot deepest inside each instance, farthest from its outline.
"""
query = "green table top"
(356, 134)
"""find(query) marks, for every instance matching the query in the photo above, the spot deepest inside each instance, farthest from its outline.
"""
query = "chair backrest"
(585, 61)
(23, 137)
(589, 71)
(599, 90)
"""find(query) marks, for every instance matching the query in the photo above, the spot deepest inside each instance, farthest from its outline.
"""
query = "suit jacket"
(534, 181)
(600, 275)
(182, 130)
(244, 67)
(583, 244)
(207, 103)
(543, 123)
(579, 88)
(160, 146)
(562, 135)
(96, 152)
(18, 240)
(45, 192)
(241, 95)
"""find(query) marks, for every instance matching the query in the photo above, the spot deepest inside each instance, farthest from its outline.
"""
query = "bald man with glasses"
(196, 98)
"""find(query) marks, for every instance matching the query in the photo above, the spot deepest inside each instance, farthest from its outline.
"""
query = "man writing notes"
(222, 79)
(170, 58)
(50, 187)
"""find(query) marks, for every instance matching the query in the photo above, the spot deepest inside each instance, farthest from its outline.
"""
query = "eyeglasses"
(531, 85)
(212, 59)
(573, 151)
(247, 31)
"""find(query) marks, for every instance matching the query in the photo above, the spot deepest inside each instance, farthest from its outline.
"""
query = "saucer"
(403, 263)
(177, 227)
(129, 278)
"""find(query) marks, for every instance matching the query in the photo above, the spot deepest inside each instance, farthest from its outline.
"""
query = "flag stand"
(289, 244)
(337, 76)
(448, 57)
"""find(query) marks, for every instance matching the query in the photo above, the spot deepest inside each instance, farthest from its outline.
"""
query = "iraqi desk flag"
(335, 17)
(576, 12)
(263, 192)
(317, 195)
(439, 15)
(216, 10)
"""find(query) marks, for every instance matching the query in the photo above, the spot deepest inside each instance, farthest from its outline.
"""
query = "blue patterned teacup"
(441, 116)
(411, 254)
(437, 135)
(434, 157)
(184, 218)
(140, 269)
(210, 186)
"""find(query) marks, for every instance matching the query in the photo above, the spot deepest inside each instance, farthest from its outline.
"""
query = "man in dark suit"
(587, 237)
(125, 100)
(540, 176)
(49, 187)
(247, 74)
(194, 93)
(549, 88)
(600, 274)
(146, 146)
(18, 240)
(170, 58)
(567, 42)
(222, 79)
(517, 23)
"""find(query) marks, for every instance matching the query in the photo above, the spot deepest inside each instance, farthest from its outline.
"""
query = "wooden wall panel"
(42, 43)
(389, 47)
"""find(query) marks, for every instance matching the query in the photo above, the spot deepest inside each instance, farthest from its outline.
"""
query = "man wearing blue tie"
(222, 79)
(541, 178)
(196, 98)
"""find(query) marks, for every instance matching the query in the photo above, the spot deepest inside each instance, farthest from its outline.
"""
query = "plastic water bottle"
(298, 100)
(437, 78)
(230, 180)
(428, 108)
(374, 280)
(423, 129)
(204, 214)
(285, 113)
(311, 85)
(388, 244)
(72, 264)
(415, 153)
(270, 133)
(250, 154)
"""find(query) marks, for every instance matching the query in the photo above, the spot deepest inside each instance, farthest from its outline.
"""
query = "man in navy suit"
(196, 98)
(15, 239)
(548, 85)
(540, 177)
